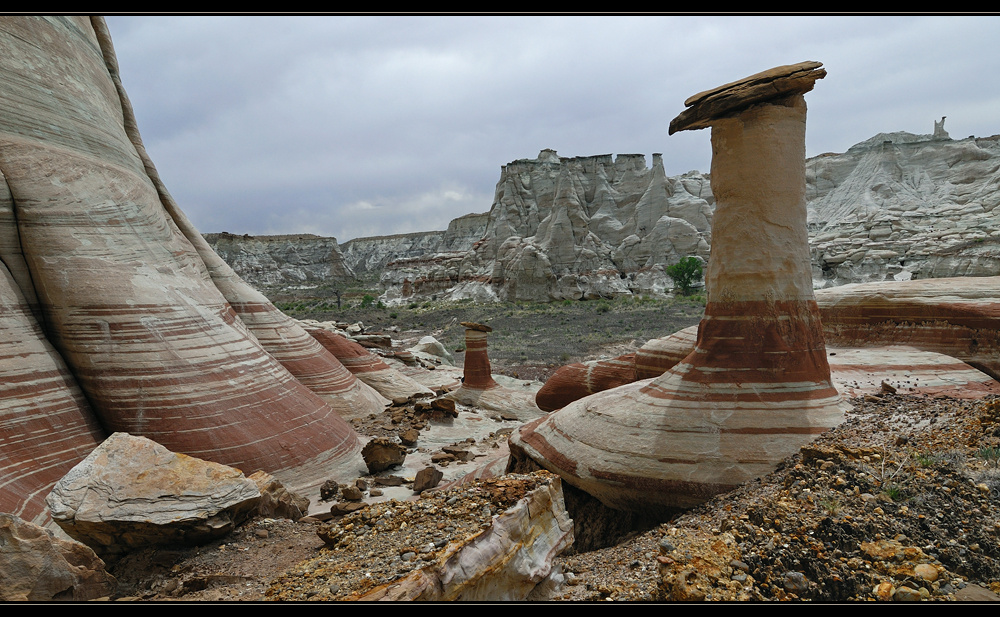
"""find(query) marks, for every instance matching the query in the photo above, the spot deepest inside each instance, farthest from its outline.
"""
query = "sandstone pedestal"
(757, 385)
(479, 389)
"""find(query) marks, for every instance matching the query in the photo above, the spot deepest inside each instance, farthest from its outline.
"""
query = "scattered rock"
(481, 558)
(426, 478)
(329, 490)
(381, 454)
(409, 437)
(277, 501)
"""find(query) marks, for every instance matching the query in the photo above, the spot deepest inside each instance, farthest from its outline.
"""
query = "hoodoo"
(480, 389)
(757, 385)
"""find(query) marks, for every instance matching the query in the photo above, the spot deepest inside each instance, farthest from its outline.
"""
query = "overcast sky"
(358, 126)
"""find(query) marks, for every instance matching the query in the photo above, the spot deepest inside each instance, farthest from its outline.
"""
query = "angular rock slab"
(757, 385)
(35, 566)
(502, 563)
(131, 493)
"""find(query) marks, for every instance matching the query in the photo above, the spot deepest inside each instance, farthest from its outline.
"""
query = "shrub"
(367, 302)
(685, 273)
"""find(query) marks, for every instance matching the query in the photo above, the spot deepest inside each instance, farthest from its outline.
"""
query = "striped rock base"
(366, 366)
(958, 317)
(726, 414)
(575, 381)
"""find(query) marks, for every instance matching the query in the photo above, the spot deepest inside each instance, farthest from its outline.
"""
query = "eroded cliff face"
(369, 257)
(894, 207)
(570, 228)
(285, 261)
(901, 206)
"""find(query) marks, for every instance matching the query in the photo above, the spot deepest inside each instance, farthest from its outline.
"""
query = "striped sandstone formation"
(660, 355)
(908, 370)
(366, 366)
(282, 337)
(575, 381)
(126, 298)
(757, 386)
(46, 425)
(958, 317)
(480, 389)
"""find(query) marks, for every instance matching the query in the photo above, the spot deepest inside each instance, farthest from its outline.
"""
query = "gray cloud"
(351, 126)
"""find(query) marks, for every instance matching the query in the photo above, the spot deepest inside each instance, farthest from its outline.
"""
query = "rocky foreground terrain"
(897, 504)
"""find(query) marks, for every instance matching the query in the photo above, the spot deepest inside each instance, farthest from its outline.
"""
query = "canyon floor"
(898, 503)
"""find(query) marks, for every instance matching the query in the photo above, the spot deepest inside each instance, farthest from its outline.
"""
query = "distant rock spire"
(939, 132)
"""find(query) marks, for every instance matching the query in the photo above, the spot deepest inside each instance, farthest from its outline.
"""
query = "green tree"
(685, 274)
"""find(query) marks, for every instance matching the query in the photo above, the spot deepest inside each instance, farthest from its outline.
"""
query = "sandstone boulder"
(381, 454)
(131, 492)
(431, 349)
(276, 501)
(36, 566)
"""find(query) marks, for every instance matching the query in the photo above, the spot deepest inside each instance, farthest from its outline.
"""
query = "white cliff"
(901, 206)
(893, 207)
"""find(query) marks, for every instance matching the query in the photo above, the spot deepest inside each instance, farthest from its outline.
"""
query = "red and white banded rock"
(659, 355)
(366, 366)
(757, 386)
(126, 299)
(281, 336)
(46, 425)
(856, 372)
(575, 381)
(958, 317)
(479, 389)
